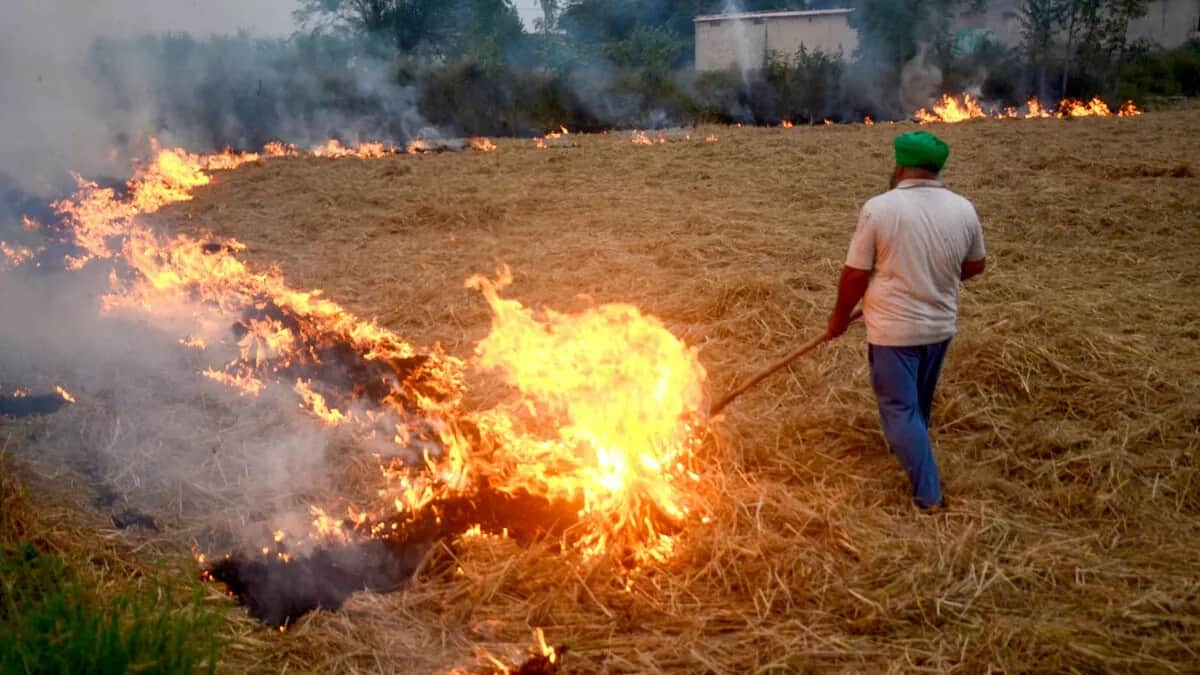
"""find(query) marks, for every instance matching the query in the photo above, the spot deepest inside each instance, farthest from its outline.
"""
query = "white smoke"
(148, 432)
(920, 80)
(69, 106)
(745, 58)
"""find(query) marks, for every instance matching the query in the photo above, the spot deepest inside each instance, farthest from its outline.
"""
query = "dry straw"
(1066, 425)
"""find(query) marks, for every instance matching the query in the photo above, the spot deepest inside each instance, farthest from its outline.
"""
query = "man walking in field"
(913, 246)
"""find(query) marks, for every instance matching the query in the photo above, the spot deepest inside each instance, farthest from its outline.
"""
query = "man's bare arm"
(973, 268)
(851, 288)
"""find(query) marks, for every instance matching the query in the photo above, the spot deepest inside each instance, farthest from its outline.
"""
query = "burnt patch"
(277, 592)
(380, 555)
(26, 406)
(421, 146)
(541, 664)
(134, 518)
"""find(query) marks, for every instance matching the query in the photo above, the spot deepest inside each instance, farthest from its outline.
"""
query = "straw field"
(1067, 424)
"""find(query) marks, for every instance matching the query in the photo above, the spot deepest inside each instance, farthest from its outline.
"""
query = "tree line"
(473, 67)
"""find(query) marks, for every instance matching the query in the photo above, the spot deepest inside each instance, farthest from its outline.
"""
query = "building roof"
(787, 14)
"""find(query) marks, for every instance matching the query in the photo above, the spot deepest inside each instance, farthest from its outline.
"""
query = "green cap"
(921, 148)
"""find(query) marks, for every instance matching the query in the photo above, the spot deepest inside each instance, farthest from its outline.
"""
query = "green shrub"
(718, 97)
(808, 86)
(1173, 72)
(52, 622)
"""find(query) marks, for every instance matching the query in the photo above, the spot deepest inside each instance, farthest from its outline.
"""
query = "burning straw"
(1066, 423)
(596, 445)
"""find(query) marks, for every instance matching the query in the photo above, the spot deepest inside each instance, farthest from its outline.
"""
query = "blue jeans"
(904, 379)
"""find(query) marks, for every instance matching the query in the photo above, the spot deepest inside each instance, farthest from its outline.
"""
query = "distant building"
(747, 40)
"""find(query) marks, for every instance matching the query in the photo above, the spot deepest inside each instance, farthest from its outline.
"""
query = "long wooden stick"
(779, 365)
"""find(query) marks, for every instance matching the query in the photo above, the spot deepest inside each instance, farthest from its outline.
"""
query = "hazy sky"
(199, 17)
(53, 117)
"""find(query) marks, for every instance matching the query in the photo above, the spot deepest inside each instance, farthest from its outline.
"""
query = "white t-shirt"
(914, 239)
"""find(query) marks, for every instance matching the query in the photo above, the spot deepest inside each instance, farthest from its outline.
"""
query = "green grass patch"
(53, 621)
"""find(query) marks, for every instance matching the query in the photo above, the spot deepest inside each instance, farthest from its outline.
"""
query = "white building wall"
(746, 43)
(829, 34)
(721, 45)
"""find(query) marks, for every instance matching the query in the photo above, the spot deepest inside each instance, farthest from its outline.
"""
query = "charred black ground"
(278, 592)
(24, 406)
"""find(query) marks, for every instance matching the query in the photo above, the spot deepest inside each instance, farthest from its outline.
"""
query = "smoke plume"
(87, 85)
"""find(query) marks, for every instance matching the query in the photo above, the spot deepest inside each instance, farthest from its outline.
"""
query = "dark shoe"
(935, 508)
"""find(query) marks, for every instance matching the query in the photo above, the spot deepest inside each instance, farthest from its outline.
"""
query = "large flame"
(608, 401)
(952, 109)
(612, 397)
(201, 285)
(1075, 108)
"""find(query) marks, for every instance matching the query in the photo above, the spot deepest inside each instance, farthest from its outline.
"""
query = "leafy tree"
(444, 27)
(891, 33)
(1174, 72)
(1121, 14)
(645, 63)
(596, 24)
(483, 28)
(1040, 20)
(1096, 35)
(808, 84)
(549, 15)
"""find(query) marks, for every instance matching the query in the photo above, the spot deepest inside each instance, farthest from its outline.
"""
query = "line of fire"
(595, 448)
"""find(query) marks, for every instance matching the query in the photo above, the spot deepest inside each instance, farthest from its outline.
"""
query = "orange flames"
(1128, 109)
(642, 138)
(277, 149)
(605, 409)
(14, 256)
(607, 413)
(418, 146)
(952, 109)
(1076, 108)
(334, 149)
(542, 658)
(1035, 109)
(544, 649)
(664, 136)
(787, 124)
(554, 139)
(483, 144)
